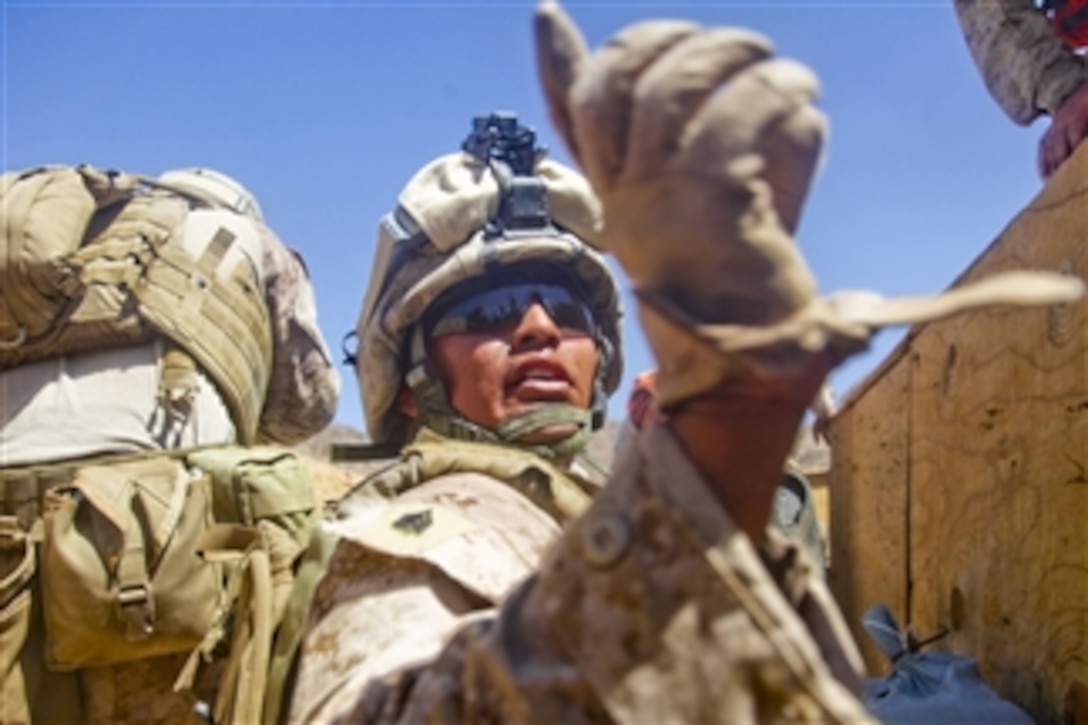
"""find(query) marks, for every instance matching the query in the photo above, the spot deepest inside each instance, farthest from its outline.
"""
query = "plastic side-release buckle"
(136, 610)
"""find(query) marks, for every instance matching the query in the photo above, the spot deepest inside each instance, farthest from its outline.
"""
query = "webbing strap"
(224, 326)
(242, 700)
(248, 616)
(135, 603)
(292, 627)
(14, 538)
(429, 456)
(515, 428)
(178, 381)
(215, 251)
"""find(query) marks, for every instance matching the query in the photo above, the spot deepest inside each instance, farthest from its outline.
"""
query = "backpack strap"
(284, 660)
(135, 605)
(563, 494)
(223, 324)
(221, 320)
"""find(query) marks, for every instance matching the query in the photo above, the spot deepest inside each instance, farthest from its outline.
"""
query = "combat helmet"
(214, 186)
(498, 205)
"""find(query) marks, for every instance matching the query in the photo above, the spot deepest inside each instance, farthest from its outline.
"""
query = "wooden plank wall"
(868, 486)
(959, 476)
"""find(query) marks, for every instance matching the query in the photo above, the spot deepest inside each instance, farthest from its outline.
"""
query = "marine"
(485, 575)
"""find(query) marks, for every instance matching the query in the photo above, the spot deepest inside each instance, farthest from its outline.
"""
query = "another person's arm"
(1029, 71)
(1026, 67)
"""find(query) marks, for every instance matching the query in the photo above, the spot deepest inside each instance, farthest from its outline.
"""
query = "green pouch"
(260, 483)
(267, 507)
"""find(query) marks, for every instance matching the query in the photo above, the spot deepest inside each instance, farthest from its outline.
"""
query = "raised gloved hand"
(701, 146)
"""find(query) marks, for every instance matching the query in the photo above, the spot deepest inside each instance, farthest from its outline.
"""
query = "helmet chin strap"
(436, 413)
(544, 416)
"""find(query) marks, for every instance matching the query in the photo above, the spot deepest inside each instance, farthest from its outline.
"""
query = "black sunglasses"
(502, 308)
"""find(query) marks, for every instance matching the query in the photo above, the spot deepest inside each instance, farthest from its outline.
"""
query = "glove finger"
(792, 153)
(670, 92)
(601, 97)
(763, 111)
(561, 52)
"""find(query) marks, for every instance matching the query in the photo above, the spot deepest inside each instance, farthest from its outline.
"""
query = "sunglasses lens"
(503, 308)
(570, 315)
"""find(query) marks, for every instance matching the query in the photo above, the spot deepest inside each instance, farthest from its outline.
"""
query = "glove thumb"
(560, 52)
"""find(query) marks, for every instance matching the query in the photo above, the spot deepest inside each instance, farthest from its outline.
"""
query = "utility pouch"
(265, 504)
(121, 578)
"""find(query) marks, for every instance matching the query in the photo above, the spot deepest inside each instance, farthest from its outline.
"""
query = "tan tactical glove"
(701, 146)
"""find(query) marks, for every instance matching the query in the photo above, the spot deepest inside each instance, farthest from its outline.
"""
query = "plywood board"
(993, 494)
(868, 485)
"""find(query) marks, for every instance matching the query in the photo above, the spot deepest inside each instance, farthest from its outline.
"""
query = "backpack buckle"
(136, 610)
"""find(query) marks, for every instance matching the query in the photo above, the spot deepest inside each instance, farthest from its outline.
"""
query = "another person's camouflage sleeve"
(1026, 67)
(304, 387)
(651, 607)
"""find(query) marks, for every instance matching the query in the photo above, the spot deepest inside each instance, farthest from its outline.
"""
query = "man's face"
(512, 349)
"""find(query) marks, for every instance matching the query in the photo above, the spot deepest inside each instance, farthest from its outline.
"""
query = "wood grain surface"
(959, 477)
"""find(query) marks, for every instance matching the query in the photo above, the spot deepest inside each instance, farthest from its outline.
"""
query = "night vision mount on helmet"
(510, 149)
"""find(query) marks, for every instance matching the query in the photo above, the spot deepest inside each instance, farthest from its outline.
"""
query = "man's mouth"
(540, 381)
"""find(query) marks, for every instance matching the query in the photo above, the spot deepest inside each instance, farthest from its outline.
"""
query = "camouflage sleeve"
(305, 387)
(1027, 69)
(652, 607)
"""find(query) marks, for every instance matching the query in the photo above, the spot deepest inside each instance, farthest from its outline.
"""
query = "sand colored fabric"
(72, 406)
(127, 262)
(98, 259)
(1026, 67)
(255, 366)
(444, 208)
(492, 612)
(455, 195)
(75, 406)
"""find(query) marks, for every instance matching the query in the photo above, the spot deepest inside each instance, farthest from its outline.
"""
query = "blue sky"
(325, 109)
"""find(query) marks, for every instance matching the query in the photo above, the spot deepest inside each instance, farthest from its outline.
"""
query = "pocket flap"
(157, 486)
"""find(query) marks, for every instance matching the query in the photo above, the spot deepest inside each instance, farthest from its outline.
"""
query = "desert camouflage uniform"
(1026, 67)
(305, 387)
(465, 600)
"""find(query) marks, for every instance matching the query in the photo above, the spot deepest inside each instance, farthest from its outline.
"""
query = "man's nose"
(536, 329)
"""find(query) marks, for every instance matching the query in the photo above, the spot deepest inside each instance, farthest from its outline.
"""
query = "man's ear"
(406, 402)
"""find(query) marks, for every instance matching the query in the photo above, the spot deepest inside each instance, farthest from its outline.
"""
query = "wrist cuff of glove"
(704, 355)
